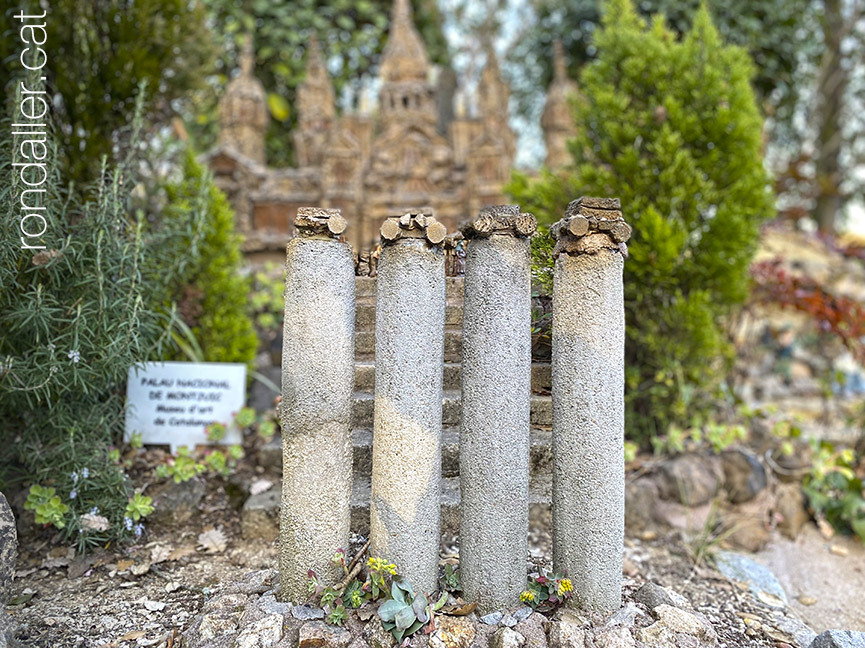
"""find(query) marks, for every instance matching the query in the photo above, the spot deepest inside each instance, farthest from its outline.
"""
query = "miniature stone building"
(557, 119)
(368, 167)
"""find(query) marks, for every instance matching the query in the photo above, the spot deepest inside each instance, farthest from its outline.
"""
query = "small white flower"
(94, 510)
(73, 494)
(75, 356)
(127, 521)
(85, 473)
(74, 476)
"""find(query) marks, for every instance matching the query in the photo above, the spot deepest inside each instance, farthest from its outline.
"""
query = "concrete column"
(317, 384)
(588, 401)
(409, 357)
(496, 398)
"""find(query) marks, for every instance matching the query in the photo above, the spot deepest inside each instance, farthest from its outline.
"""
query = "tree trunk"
(831, 90)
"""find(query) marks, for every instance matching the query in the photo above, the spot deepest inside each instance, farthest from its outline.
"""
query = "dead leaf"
(366, 612)
(160, 553)
(95, 522)
(43, 257)
(181, 552)
(123, 565)
(212, 541)
(463, 610)
(132, 636)
(23, 598)
(58, 557)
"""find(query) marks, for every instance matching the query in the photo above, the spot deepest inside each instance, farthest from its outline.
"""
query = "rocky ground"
(155, 593)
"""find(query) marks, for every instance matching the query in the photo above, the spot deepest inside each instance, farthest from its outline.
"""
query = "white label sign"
(171, 403)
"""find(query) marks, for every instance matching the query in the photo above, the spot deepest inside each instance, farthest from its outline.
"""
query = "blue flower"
(75, 356)
(73, 494)
(85, 473)
(128, 522)
(94, 510)
(139, 529)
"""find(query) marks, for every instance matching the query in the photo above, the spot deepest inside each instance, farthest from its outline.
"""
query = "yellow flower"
(379, 565)
(527, 596)
(565, 586)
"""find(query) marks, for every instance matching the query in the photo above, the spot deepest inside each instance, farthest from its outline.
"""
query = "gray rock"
(223, 602)
(492, 618)
(800, 634)
(522, 613)
(507, 638)
(257, 582)
(8, 556)
(760, 580)
(8, 628)
(264, 633)
(674, 622)
(533, 629)
(259, 517)
(318, 634)
(625, 617)
(306, 613)
(617, 637)
(744, 475)
(376, 636)
(217, 625)
(268, 604)
(8, 549)
(839, 639)
(508, 621)
(652, 595)
(567, 631)
(690, 479)
(175, 504)
(640, 497)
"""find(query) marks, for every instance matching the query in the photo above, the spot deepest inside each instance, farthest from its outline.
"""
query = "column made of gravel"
(496, 398)
(409, 356)
(588, 378)
(317, 385)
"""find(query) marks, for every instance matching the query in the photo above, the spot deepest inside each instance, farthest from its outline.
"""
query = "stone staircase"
(260, 514)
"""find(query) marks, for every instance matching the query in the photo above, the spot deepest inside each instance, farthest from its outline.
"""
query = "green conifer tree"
(212, 291)
(672, 128)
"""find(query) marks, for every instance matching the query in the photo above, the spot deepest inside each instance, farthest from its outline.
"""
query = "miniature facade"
(369, 167)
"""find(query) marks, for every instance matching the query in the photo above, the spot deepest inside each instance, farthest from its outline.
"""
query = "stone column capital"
(413, 225)
(589, 226)
(500, 219)
(319, 222)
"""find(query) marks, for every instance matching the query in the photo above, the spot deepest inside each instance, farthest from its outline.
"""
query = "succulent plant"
(405, 613)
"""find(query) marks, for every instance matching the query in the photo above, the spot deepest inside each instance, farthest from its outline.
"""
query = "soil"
(147, 594)
(824, 578)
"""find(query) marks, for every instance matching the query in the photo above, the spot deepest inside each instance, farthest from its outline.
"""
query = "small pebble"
(492, 618)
